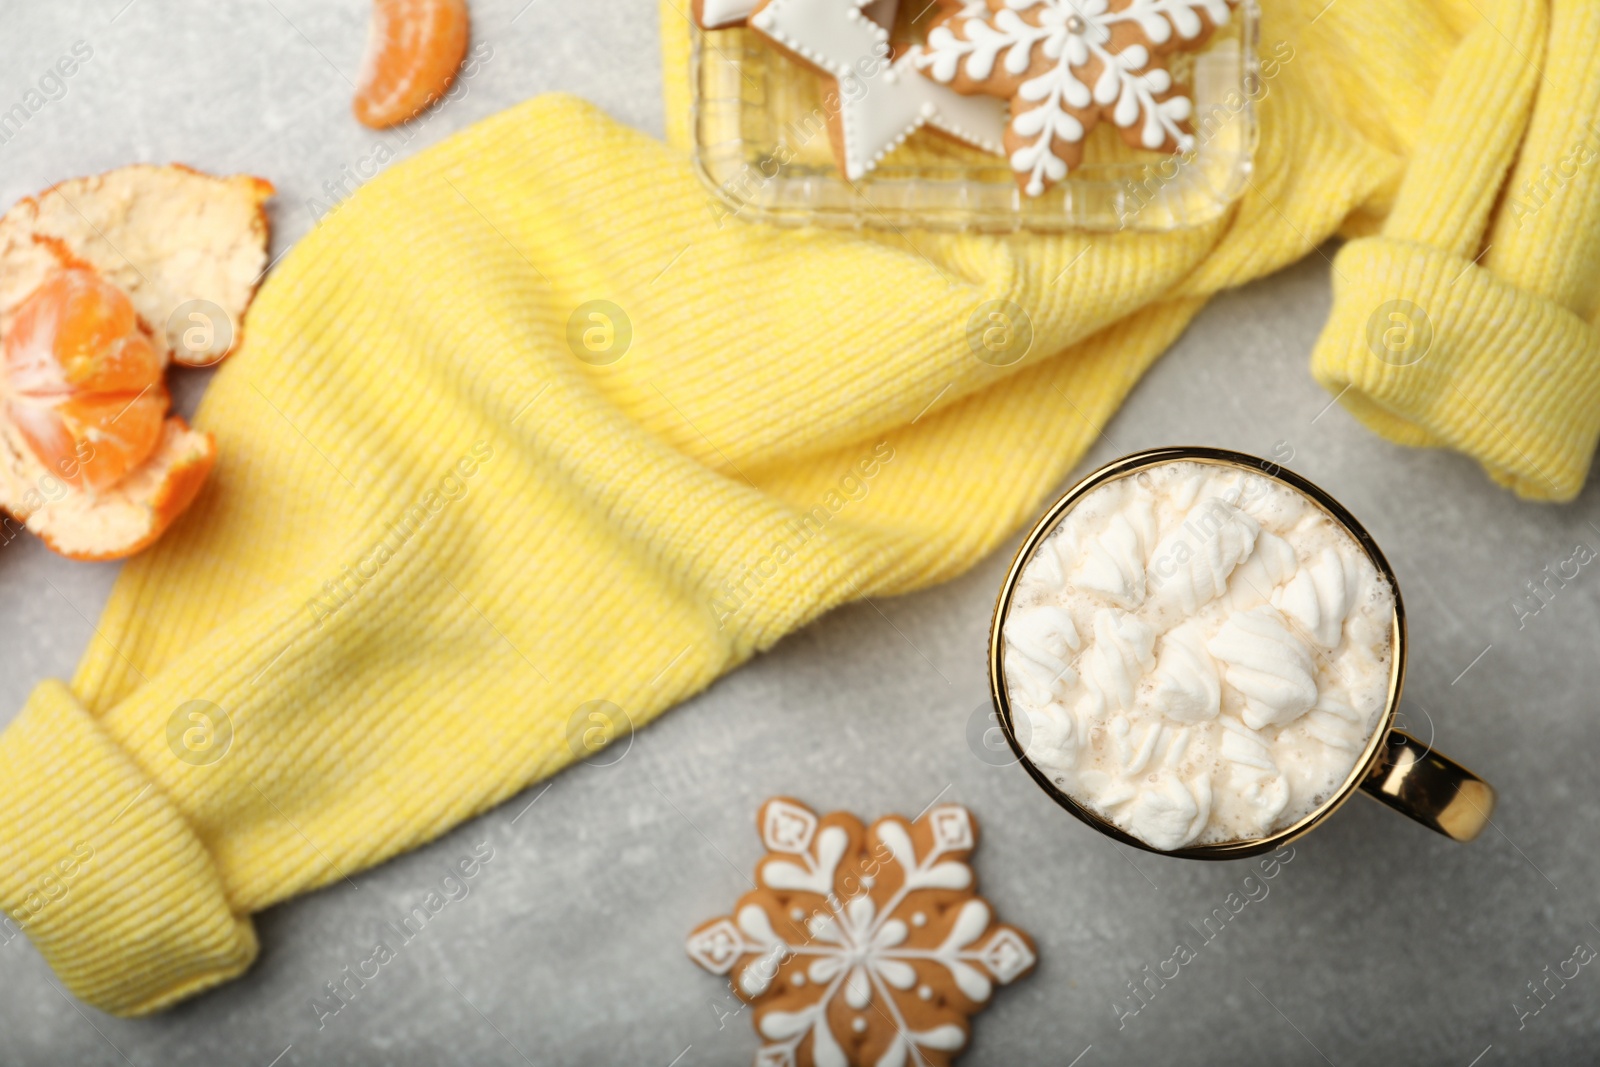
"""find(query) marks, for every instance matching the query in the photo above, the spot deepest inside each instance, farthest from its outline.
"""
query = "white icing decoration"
(877, 127)
(833, 35)
(810, 877)
(1269, 666)
(863, 941)
(1319, 597)
(755, 925)
(881, 103)
(1187, 687)
(788, 827)
(753, 922)
(947, 1037)
(856, 949)
(971, 922)
(1007, 955)
(1043, 640)
(952, 829)
(791, 1027)
(717, 14)
(1076, 35)
(949, 874)
(717, 947)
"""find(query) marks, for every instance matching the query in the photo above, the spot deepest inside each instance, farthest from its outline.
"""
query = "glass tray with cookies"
(982, 115)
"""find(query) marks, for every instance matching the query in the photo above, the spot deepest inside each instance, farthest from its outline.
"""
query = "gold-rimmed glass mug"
(1394, 767)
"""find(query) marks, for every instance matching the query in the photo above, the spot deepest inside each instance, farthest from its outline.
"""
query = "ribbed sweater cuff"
(1429, 349)
(110, 882)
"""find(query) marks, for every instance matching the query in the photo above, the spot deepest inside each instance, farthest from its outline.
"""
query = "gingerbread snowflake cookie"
(877, 99)
(1066, 65)
(863, 945)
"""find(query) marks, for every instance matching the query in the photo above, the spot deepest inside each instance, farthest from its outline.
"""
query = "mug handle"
(1436, 791)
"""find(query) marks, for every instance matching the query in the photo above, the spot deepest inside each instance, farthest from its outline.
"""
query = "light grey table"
(1378, 943)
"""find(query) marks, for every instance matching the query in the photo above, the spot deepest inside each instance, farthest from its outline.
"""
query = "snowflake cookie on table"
(1067, 64)
(863, 945)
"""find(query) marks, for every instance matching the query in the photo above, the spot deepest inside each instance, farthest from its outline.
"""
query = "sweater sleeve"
(1469, 322)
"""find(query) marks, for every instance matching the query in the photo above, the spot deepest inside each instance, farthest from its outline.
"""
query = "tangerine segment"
(414, 48)
(129, 517)
(85, 383)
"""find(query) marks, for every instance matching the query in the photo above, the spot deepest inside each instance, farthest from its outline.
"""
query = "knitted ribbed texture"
(1469, 323)
(434, 535)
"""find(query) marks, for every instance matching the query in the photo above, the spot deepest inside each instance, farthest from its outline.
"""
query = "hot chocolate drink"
(1198, 653)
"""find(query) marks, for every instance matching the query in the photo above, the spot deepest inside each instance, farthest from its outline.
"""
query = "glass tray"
(759, 149)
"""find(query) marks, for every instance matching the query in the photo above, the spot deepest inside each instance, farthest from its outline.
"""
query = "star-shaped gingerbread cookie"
(720, 14)
(863, 945)
(876, 99)
(1066, 65)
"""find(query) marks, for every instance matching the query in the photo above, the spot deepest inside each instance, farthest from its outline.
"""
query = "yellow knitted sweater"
(434, 536)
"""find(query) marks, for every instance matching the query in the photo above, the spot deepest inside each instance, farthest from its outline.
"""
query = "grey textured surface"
(1378, 943)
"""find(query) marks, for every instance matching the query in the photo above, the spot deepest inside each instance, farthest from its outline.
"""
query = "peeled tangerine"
(85, 388)
(178, 242)
(100, 280)
(413, 50)
(85, 432)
